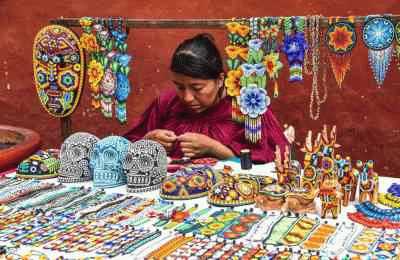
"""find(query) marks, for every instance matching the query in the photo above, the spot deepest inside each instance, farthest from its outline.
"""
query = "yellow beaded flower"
(232, 82)
(89, 42)
(273, 65)
(95, 73)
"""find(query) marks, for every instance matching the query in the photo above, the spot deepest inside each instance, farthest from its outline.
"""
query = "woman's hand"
(166, 138)
(196, 145)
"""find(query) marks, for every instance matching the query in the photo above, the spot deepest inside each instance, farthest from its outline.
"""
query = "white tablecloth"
(265, 169)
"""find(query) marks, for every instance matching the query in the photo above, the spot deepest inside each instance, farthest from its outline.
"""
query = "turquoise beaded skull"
(106, 161)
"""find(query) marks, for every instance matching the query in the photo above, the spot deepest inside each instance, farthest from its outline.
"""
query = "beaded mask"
(58, 63)
(41, 165)
(145, 165)
(74, 157)
(189, 183)
(106, 161)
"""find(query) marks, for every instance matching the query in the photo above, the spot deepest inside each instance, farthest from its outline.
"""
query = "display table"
(141, 252)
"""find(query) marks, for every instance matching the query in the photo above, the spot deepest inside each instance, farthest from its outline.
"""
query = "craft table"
(140, 253)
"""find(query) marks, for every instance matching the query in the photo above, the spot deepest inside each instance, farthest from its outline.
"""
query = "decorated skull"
(106, 161)
(145, 165)
(74, 157)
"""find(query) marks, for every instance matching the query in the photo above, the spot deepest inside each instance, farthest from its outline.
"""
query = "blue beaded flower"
(254, 101)
(255, 44)
(295, 46)
(123, 87)
(124, 59)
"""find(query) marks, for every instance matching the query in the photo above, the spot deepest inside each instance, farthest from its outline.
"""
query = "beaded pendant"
(340, 39)
(294, 46)
(378, 36)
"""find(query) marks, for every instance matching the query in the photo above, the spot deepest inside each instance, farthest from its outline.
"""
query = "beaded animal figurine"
(327, 153)
(347, 177)
(368, 182)
(330, 198)
(310, 178)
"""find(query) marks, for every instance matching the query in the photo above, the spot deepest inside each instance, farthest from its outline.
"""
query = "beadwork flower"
(273, 65)
(120, 37)
(232, 51)
(124, 59)
(95, 72)
(250, 69)
(255, 44)
(341, 39)
(243, 30)
(89, 42)
(232, 27)
(253, 101)
(123, 87)
(232, 82)
(294, 46)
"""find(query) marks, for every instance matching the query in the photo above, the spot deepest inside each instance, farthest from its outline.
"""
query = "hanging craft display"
(108, 67)
(340, 39)
(58, 68)
(269, 31)
(294, 46)
(378, 36)
(237, 50)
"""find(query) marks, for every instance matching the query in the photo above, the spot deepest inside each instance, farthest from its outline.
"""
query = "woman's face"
(197, 94)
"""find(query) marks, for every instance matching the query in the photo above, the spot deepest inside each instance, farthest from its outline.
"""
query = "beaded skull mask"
(145, 165)
(106, 161)
(74, 157)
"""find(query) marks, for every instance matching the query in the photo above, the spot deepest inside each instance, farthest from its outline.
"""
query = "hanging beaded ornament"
(95, 69)
(378, 36)
(237, 50)
(340, 39)
(254, 99)
(109, 68)
(294, 46)
(269, 33)
(58, 68)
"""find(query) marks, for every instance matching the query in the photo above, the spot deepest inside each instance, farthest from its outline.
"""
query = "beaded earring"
(294, 46)
(378, 36)
(340, 39)
(269, 33)
(237, 51)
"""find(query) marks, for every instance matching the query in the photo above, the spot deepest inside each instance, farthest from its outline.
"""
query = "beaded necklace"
(315, 99)
(389, 200)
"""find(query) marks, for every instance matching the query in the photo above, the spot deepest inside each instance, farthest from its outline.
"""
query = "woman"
(194, 120)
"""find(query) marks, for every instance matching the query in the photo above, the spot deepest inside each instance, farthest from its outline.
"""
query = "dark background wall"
(366, 117)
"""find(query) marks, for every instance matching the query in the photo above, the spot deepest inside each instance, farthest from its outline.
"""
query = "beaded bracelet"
(388, 199)
(97, 208)
(46, 198)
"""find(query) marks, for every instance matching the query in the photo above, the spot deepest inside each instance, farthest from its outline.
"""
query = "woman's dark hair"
(198, 57)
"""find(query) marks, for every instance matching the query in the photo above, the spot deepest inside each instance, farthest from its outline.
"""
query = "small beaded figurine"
(330, 198)
(368, 182)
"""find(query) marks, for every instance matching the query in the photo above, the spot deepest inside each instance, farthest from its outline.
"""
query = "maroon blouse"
(167, 112)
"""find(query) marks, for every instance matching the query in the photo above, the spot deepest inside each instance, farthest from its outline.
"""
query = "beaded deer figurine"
(327, 153)
(368, 182)
(288, 174)
(347, 177)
